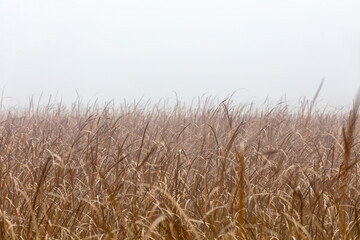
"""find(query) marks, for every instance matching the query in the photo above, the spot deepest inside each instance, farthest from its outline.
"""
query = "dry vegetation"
(210, 171)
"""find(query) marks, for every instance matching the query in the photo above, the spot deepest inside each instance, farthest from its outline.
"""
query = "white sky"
(114, 49)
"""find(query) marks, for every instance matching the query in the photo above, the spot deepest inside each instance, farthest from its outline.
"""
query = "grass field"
(209, 171)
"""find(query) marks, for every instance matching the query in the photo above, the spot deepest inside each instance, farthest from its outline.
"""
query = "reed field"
(210, 170)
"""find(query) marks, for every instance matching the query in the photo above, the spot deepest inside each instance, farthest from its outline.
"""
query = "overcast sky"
(114, 49)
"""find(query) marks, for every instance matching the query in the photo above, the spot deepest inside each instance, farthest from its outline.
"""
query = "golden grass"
(214, 171)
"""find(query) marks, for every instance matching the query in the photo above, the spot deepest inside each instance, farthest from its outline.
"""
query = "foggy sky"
(128, 49)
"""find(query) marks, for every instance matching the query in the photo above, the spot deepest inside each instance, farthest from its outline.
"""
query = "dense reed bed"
(206, 171)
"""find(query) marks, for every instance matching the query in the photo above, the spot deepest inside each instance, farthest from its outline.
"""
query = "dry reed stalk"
(348, 138)
(241, 186)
